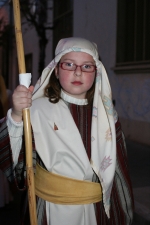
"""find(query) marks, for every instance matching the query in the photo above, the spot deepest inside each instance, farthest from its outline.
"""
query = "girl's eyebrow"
(82, 63)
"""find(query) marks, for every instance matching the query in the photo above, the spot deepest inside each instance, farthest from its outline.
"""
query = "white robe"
(62, 152)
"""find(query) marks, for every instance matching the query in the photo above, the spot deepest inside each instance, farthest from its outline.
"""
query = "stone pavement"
(10, 214)
(139, 167)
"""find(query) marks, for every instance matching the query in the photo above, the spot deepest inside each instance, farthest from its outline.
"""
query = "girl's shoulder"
(43, 104)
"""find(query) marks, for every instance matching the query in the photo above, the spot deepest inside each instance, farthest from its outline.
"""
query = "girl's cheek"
(91, 80)
(64, 79)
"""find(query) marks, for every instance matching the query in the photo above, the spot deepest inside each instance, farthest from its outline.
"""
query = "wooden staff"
(26, 118)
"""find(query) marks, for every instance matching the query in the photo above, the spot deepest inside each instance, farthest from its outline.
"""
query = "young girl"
(78, 146)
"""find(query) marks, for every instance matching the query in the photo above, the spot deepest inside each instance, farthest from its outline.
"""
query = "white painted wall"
(31, 46)
(97, 20)
(30, 42)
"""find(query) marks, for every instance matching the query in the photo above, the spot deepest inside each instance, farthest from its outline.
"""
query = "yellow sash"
(65, 191)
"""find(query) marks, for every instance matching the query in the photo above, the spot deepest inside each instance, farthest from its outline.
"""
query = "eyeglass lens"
(73, 67)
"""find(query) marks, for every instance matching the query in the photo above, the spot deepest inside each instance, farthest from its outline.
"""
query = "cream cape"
(103, 135)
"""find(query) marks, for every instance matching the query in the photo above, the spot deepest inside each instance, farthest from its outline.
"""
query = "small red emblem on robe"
(55, 127)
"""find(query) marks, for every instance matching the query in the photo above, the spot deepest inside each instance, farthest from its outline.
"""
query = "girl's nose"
(78, 71)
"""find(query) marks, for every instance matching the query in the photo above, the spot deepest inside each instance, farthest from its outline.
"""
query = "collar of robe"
(73, 100)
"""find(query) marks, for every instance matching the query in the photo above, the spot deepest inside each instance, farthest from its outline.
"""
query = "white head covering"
(103, 134)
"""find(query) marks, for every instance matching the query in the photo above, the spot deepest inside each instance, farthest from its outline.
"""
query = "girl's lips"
(76, 82)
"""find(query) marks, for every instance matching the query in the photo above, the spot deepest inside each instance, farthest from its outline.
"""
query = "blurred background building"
(121, 30)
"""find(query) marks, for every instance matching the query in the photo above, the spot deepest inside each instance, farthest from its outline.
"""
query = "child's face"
(76, 83)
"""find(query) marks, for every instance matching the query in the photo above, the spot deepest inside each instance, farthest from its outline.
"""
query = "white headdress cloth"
(103, 135)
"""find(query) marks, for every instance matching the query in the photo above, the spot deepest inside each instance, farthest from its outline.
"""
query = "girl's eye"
(87, 66)
(68, 64)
